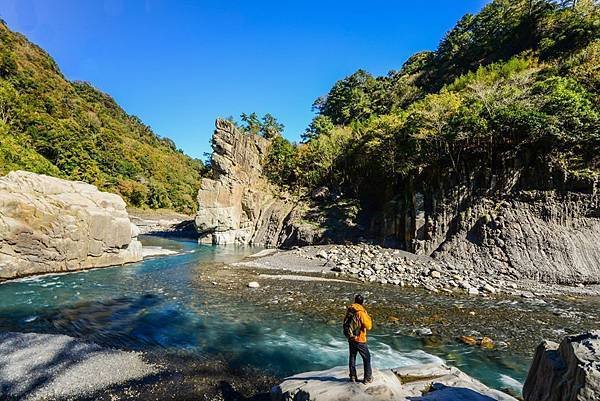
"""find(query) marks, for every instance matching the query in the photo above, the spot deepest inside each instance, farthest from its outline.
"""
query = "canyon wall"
(523, 218)
(50, 225)
(547, 236)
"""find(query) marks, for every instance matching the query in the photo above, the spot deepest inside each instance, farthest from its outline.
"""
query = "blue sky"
(180, 64)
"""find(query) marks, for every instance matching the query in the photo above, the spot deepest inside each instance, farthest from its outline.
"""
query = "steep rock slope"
(50, 225)
(523, 218)
(237, 205)
(543, 235)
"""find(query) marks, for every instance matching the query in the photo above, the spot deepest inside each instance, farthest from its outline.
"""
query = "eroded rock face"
(51, 225)
(565, 372)
(540, 235)
(238, 205)
(521, 215)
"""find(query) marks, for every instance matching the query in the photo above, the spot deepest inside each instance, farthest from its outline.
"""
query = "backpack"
(352, 324)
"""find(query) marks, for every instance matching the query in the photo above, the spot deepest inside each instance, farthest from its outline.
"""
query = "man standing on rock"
(356, 323)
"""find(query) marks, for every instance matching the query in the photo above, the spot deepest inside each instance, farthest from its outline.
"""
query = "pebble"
(424, 331)
(487, 287)
(464, 284)
(322, 254)
(253, 284)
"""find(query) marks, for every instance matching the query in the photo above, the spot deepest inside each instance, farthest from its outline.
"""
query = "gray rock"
(422, 332)
(488, 288)
(322, 254)
(401, 384)
(52, 225)
(435, 274)
(464, 284)
(473, 291)
(565, 372)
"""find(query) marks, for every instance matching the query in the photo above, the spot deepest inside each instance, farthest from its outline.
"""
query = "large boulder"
(238, 205)
(52, 225)
(566, 372)
(419, 382)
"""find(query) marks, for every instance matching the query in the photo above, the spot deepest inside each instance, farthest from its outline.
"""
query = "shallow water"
(166, 303)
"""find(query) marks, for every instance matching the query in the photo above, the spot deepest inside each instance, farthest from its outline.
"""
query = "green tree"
(280, 164)
(354, 98)
(267, 126)
(251, 123)
(320, 125)
(271, 128)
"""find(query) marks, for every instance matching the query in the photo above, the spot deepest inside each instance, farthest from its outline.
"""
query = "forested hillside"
(518, 81)
(52, 126)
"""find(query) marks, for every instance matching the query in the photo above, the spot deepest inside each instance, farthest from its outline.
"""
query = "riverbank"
(375, 264)
(163, 222)
(44, 366)
(57, 367)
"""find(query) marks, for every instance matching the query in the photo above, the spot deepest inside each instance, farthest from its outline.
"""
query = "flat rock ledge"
(427, 382)
(48, 367)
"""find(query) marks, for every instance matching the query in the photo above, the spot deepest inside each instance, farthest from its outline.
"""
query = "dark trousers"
(363, 350)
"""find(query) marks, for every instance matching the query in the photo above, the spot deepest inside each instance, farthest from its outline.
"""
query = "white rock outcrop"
(52, 225)
(431, 382)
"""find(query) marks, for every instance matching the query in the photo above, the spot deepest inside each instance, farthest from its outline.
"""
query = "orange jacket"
(365, 320)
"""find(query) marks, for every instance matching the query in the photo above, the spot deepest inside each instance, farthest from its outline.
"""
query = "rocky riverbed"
(375, 264)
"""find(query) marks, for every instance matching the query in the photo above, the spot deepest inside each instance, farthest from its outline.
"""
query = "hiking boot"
(368, 380)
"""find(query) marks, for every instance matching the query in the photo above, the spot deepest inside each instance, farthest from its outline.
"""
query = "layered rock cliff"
(542, 235)
(522, 218)
(52, 225)
(236, 204)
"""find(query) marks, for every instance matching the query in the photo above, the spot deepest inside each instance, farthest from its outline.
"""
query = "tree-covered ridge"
(52, 126)
(520, 77)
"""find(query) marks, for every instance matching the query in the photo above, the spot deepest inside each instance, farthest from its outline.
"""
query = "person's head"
(359, 299)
